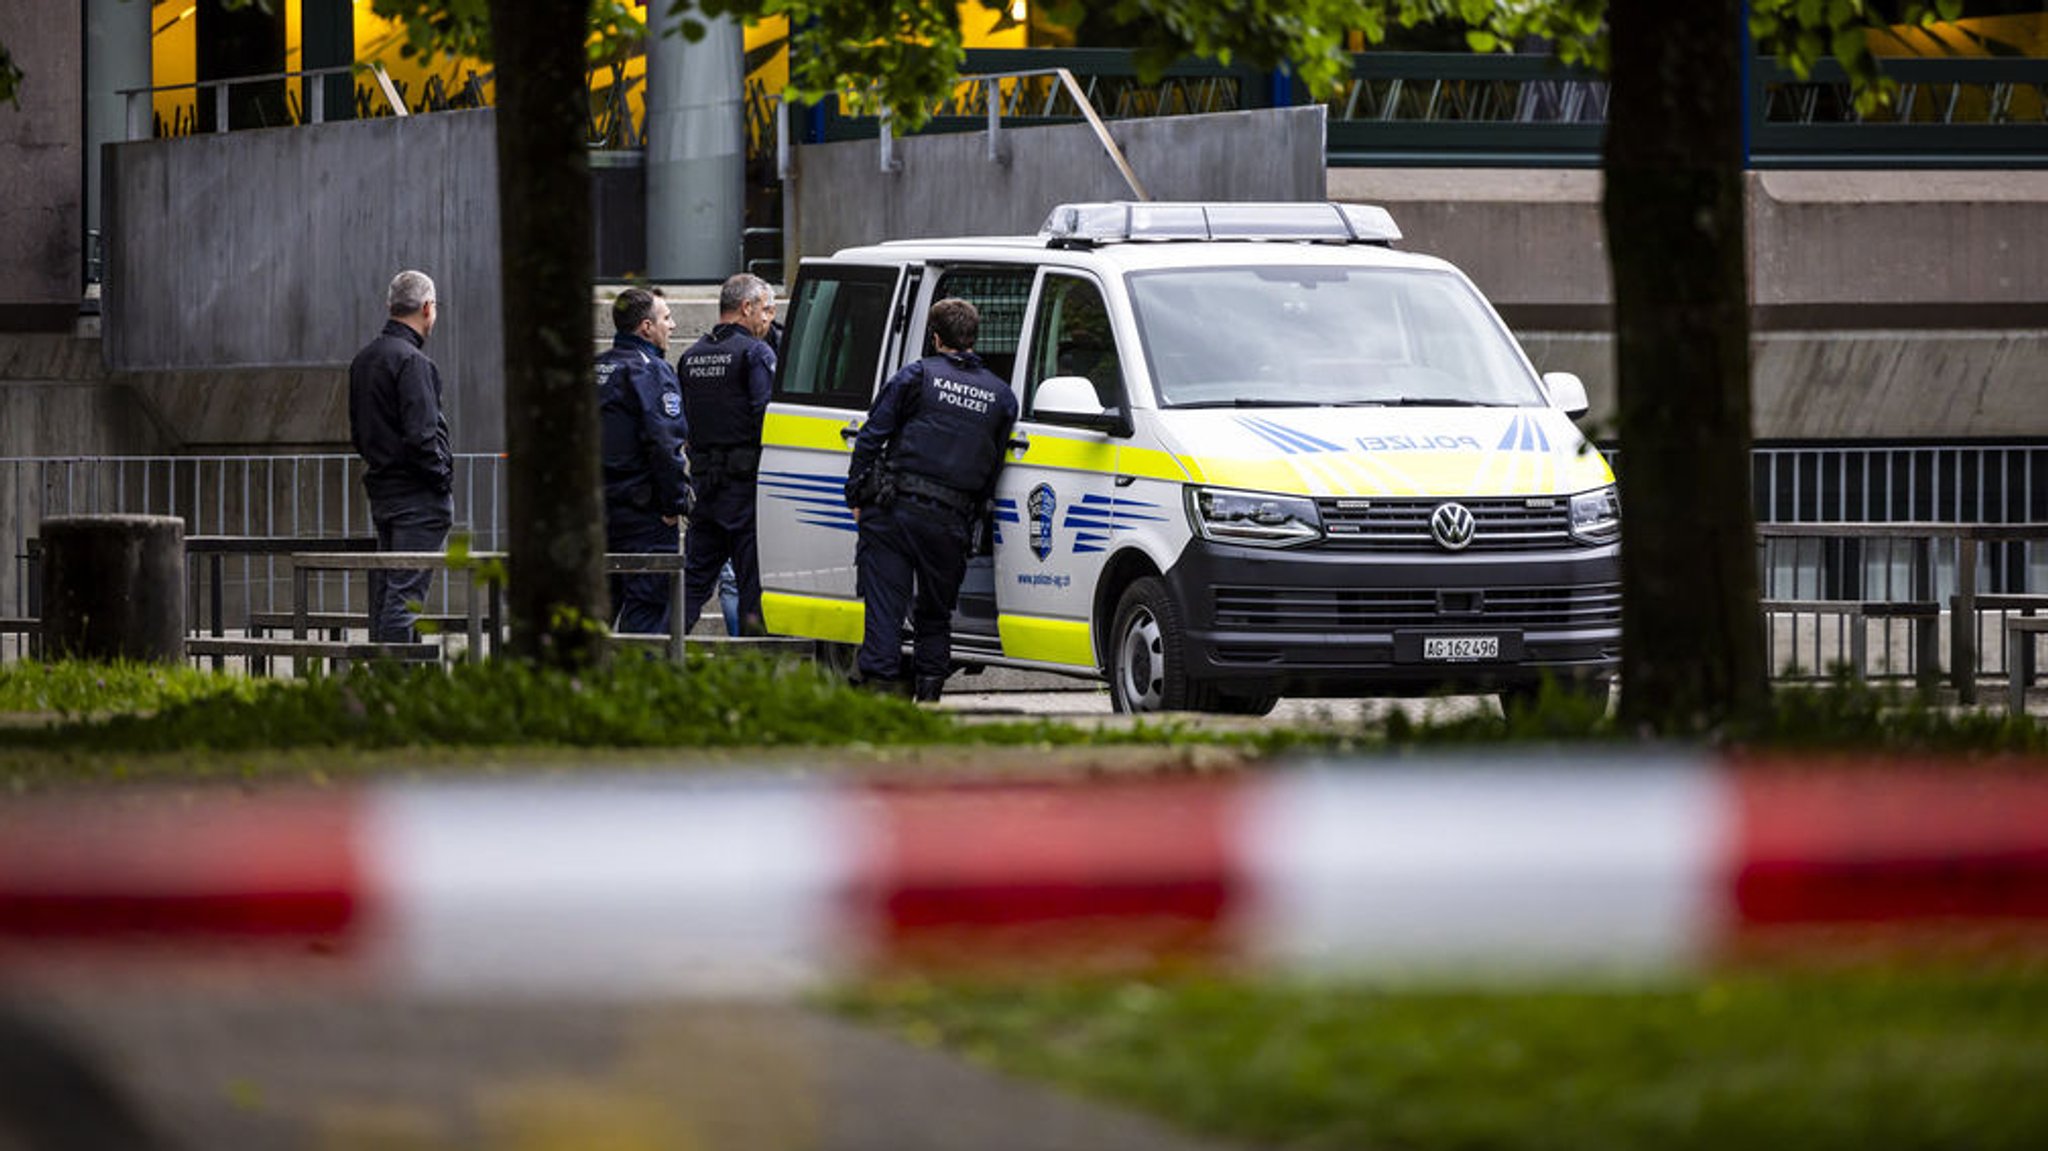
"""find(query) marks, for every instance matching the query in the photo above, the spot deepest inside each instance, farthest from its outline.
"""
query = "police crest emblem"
(1038, 507)
(671, 404)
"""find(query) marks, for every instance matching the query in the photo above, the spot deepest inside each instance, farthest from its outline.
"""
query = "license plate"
(1460, 648)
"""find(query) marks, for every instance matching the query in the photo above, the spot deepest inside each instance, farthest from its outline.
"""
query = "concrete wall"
(56, 400)
(41, 170)
(948, 186)
(1886, 304)
(1530, 238)
(245, 270)
(1920, 240)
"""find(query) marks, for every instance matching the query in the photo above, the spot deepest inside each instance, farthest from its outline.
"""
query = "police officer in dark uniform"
(726, 377)
(646, 479)
(924, 467)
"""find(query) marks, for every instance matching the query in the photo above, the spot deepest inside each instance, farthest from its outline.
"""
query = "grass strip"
(1834, 1061)
(632, 703)
(745, 701)
(75, 690)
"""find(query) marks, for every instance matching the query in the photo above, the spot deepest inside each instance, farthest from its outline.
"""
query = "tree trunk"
(557, 594)
(1693, 654)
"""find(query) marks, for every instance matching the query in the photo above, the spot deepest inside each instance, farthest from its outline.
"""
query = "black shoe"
(928, 688)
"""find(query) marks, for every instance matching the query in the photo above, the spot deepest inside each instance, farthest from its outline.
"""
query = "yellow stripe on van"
(818, 433)
(1050, 451)
(1062, 641)
(1252, 475)
(813, 617)
(1100, 458)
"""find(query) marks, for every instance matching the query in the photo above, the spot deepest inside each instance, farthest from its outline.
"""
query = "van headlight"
(1253, 518)
(1596, 515)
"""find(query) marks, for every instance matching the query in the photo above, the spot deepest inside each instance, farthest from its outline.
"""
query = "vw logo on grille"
(1451, 526)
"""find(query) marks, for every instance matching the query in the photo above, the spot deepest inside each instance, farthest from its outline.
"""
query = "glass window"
(1072, 337)
(1325, 335)
(838, 320)
(999, 294)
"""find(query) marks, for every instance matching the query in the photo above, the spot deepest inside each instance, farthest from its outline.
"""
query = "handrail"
(1429, 108)
(996, 152)
(137, 111)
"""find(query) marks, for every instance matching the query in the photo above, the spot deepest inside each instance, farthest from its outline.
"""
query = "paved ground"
(1003, 693)
(205, 1072)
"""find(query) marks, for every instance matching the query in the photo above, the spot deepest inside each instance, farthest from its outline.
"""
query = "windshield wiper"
(1438, 402)
(1245, 402)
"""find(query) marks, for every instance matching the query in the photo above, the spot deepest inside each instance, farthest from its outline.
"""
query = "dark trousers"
(641, 603)
(722, 529)
(413, 522)
(910, 557)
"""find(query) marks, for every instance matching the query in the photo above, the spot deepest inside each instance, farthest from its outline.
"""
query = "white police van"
(1260, 454)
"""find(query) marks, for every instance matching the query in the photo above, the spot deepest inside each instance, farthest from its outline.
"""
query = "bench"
(2025, 603)
(719, 644)
(31, 631)
(2019, 662)
(1926, 615)
(211, 552)
(300, 650)
(341, 621)
(336, 625)
(485, 603)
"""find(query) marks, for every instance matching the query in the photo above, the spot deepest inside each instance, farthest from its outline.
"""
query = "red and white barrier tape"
(727, 885)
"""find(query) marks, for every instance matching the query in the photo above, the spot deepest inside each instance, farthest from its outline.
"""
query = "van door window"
(838, 319)
(1071, 337)
(999, 294)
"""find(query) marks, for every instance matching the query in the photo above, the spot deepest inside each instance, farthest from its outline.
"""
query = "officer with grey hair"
(395, 420)
(726, 378)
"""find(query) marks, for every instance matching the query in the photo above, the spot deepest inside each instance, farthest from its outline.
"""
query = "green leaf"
(1482, 40)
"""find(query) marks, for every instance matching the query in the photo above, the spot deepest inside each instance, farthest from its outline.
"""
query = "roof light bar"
(1089, 224)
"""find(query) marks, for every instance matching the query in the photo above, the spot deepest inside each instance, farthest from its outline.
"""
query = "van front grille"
(1386, 609)
(1499, 524)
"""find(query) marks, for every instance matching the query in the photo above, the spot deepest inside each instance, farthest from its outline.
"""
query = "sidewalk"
(207, 1071)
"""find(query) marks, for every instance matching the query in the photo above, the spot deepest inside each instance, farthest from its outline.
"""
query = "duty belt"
(932, 491)
(741, 460)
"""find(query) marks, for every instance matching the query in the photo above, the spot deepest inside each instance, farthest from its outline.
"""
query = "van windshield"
(1294, 336)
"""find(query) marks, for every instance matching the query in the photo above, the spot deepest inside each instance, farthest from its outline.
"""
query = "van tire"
(1148, 653)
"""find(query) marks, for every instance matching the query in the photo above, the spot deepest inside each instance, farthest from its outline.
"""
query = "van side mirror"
(1567, 393)
(1071, 400)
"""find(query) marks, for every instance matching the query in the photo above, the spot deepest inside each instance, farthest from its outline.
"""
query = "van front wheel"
(1148, 668)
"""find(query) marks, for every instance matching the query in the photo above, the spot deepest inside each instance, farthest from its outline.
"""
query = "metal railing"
(1426, 108)
(317, 495)
(1948, 483)
(320, 495)
(994, 93)
(1412, 108)
(143, 123)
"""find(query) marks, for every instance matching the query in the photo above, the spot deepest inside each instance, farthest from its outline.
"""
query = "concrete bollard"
(114, 588)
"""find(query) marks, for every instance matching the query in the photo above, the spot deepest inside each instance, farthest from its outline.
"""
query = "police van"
(1261, 453)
